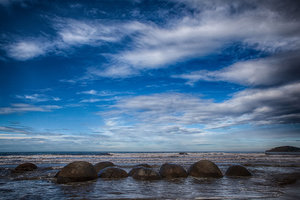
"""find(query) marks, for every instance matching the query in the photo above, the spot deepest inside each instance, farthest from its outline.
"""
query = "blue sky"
(149, 75)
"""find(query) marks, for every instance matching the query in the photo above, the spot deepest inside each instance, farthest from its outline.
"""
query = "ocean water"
(40, 184)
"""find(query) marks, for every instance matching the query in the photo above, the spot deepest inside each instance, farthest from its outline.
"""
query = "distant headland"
(284, 150)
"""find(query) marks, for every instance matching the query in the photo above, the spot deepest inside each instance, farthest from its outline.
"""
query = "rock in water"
(25, 167)
(112, 172)
(183, 153)
(172, 171)
(137, 167)
(144, 165)
(101, 165)
(237, 170)
(286, 179)
(206, 169)
(143, 173)
(77, 171)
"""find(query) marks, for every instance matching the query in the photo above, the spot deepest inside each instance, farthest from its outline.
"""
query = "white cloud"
(194, 36)
(90, 100)
(70, 33)
(74, 32)
(37, 97)
(113, 71)
(91, 92)
(21, 108)
(252, 106)
(279, 69)
(71, 81)
(56, 98)
(102, 93)
(27, 49)
(212, 26)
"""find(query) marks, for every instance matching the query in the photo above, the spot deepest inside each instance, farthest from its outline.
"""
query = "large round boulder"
(143, 173)
(286, 179)
(101, 165)
(25, 167)
(237, 170)
(206, 169)
(172, 171)
(77, 171)
(144, 165)
(112, 172)
(135, 168)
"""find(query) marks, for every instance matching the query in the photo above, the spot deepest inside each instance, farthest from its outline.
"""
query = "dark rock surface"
(172, 171)
(133, 170)
(77, 171)
(205, 168)
(183, 153)
(112, 172)
(24, 167)
(143, 173)
(56, 175)
(284, 149)
(237, 170)
(286, 179)
(101, 165)
(144, 165)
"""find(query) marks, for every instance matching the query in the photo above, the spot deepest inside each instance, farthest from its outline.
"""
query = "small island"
(284, 150)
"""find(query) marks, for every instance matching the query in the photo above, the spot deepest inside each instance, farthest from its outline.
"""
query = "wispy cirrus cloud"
(15, 129)
(37, 97)
(22, 108)
(212, 26)
(99, 93)
(276, 105)
(69, 33)
(74, 32)
(92, 100)
(101, 96)
(274, 70)
(205, 32)
(27, 49)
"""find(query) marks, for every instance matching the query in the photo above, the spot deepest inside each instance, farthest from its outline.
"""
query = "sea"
(41, 184)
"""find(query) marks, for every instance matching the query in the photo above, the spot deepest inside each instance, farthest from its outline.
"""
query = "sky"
(138, 75)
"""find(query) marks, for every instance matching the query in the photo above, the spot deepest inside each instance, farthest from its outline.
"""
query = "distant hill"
(284, 149)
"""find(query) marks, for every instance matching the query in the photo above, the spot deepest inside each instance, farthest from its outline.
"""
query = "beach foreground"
(267, 182)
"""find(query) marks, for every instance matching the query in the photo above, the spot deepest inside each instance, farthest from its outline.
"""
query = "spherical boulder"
(25, 167)
(206, 169)
(144, 165)
(172, 171)
(135, 168)
(237, 170)
(77, 171)
(286, 178)
(112, 172)
(143, 173)
(101, 165)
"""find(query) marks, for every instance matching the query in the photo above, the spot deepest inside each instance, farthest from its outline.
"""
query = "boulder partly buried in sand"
(77, 171)
(112, 172)
(101, 165)
(144, 165)
(143, 173)
(205, 169)
(25, 167)
(172, 171)
(237, 170)
(286, 179)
